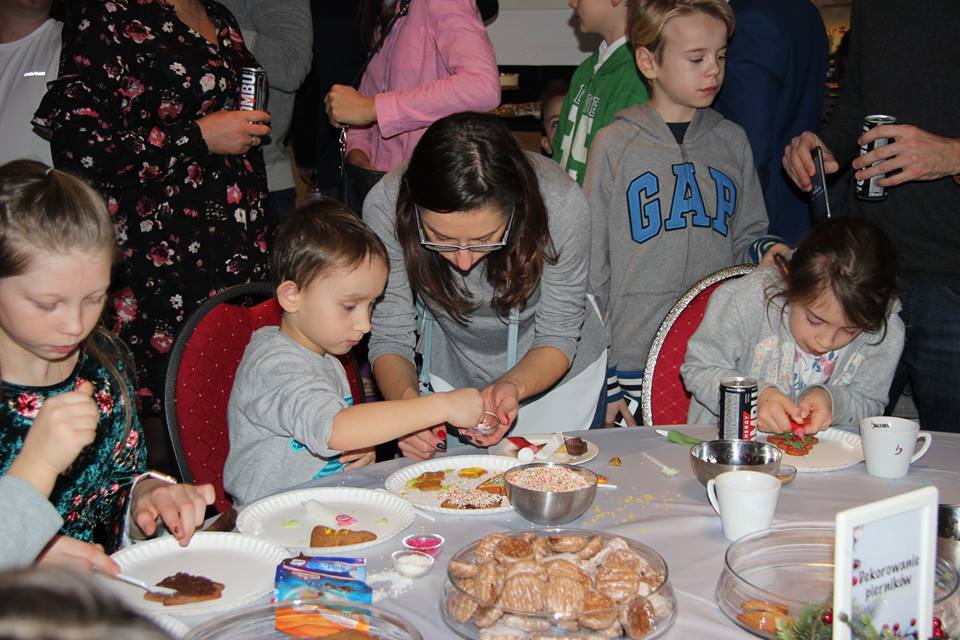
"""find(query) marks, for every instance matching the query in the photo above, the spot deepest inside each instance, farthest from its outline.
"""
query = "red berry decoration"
(827, 617)
(938, 633)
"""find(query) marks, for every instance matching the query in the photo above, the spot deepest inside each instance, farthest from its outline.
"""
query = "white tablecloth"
(671, 515)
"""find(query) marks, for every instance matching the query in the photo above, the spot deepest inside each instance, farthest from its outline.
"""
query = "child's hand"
(64, 425)
(64, 551)
(817, 407)
(359, 457)
(464, 407)
(181, 507)
(775, 411)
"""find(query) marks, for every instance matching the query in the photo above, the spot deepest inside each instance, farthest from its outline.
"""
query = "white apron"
(570, 406)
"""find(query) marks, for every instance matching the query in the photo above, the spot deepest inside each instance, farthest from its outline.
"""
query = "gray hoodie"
(474, 355)
(742, 336)
(665, 215)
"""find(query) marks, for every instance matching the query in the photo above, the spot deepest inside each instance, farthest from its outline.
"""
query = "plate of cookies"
(547, 447)
(326, 520)
(460, 485)
(558, 583)
(216, 572)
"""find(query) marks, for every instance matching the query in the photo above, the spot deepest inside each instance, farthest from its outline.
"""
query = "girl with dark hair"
(821, 333)
(488, 264)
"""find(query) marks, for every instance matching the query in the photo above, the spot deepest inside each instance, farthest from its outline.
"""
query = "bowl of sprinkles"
(550, 494)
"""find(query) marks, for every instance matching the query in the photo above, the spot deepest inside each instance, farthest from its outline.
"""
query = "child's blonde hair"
(646, 19)
(44, 210)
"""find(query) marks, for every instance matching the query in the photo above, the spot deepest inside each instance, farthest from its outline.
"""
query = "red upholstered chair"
(200, 374)
(663, 398)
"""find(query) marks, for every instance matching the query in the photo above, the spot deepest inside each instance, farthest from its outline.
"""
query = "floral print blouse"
(134, 80)
(91, 495)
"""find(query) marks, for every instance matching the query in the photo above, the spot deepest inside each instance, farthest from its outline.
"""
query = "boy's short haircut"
(552, 88)
(646, 19)
(318, 237)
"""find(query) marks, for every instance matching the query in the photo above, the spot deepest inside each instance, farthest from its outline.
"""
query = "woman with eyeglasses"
(489, 250)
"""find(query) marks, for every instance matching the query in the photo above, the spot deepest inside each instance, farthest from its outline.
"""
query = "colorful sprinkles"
(548, 479)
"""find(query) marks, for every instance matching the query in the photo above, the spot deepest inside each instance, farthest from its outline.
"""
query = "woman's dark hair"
(46, 211)
(318, 237)
(466, 161)
(42, 603)
(852, 258)
(374, 17)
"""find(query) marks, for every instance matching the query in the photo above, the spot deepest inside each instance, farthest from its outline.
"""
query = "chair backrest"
(200, 374)
(663, 398)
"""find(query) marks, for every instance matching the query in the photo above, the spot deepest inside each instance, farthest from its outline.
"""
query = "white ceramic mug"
(889, 445)
(744, 500)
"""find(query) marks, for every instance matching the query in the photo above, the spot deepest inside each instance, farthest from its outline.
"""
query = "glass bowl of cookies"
(569, 583)
(771, 576)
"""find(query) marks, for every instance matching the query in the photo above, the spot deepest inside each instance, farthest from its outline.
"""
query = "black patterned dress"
(133, 81)
(92, 494)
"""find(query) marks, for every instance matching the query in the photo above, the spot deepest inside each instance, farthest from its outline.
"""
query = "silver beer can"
(869, 190)
(738, 409)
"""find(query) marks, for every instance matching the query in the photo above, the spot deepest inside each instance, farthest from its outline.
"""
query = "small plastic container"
(428, 543)
(412, 564)
(787, 474)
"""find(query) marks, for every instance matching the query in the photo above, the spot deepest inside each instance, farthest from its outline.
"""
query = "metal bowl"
(551, 507)
(710, 459)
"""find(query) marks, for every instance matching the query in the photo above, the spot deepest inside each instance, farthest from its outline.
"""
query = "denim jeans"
(931, 355)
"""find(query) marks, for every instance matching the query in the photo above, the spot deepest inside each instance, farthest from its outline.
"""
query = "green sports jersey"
(594, 98)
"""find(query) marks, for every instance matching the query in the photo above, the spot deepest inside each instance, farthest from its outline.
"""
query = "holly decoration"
(815, 622)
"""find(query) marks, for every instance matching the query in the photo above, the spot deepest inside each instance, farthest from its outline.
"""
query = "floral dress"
(133, 81)
(91, 495)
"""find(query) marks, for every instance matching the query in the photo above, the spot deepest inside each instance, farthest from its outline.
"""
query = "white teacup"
(744, 500)
(889, 445)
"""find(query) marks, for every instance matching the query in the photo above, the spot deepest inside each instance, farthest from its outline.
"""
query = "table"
(671, 515)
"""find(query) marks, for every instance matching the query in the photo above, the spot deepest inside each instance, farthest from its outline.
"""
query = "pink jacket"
(437, 60)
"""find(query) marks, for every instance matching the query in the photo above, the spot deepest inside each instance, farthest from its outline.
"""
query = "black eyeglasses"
(443, 247)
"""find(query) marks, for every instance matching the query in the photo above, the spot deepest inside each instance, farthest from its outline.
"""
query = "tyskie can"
(738, 409)
(253, 89)
(869, 189)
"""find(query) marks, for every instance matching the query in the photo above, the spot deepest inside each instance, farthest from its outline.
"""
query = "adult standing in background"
(29, 58)
(144, 108)
(279, 34)
(774, 88)
(437, 60)
(921, 212)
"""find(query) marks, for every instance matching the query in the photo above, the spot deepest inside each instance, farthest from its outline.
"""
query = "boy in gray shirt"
(291, 412)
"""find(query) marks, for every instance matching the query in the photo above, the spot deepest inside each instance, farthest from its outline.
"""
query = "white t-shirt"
(26, 66)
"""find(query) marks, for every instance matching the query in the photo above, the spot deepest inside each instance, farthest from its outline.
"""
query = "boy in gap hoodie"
(602, 85)
(673, 191)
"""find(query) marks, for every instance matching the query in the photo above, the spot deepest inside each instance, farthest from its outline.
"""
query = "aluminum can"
(253, 89)
(869, 189)
(738, 409)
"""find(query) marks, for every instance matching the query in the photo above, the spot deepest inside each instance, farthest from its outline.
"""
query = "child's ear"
(646, 63)
(288, 295)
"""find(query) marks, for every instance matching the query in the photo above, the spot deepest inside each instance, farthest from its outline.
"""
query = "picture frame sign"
(884, 562)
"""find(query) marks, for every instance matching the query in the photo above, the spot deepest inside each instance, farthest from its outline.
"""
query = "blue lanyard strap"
(426, 342)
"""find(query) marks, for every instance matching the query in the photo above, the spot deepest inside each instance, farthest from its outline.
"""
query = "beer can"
(738, 409)
(253, 89)
(869, 189)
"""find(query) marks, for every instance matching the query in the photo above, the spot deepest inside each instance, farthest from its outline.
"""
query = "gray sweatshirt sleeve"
(563, 286)
(30, 522)
(751, 222)
(715, 348)
(284, 40)
(394, 316)
(596, 187)
(864, 390)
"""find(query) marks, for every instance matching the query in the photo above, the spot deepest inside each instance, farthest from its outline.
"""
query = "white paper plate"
(507, 448)
(282, 519)
(396, 483)
(244, 565)
(837, 449)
